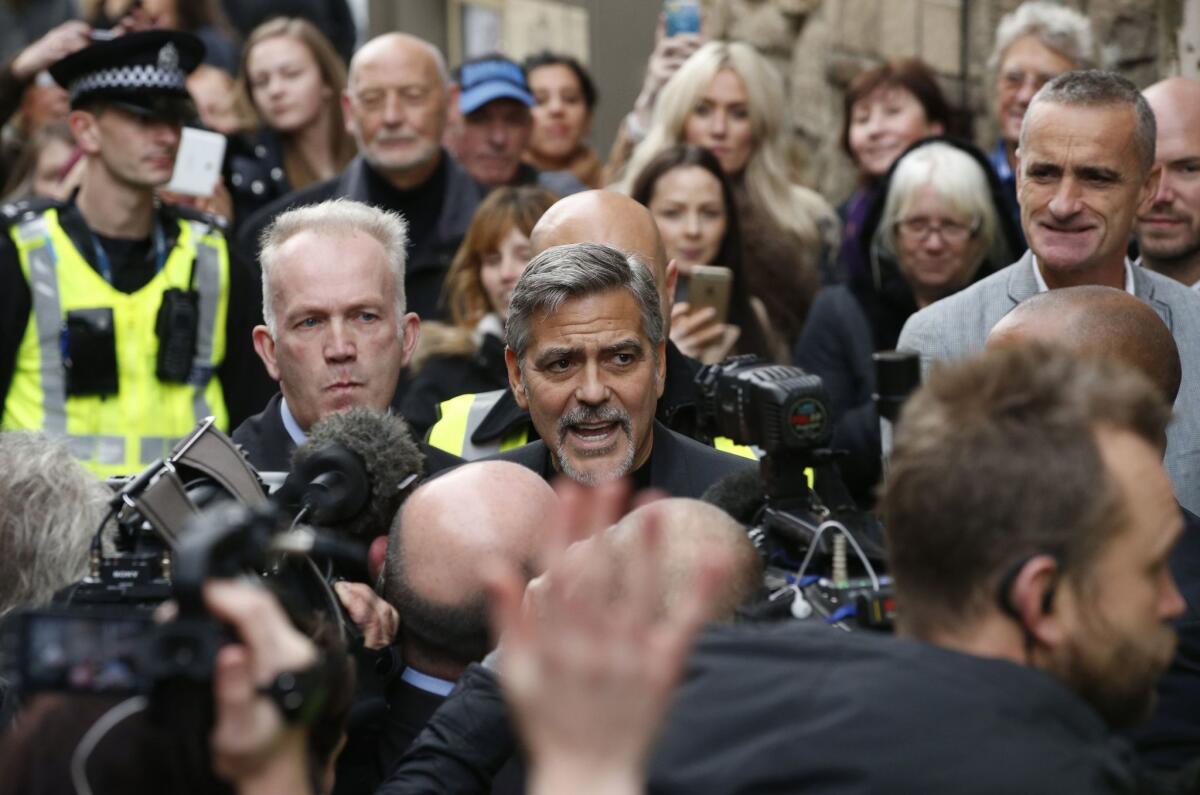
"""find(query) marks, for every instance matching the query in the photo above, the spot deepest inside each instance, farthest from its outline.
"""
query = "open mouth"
(594, 431)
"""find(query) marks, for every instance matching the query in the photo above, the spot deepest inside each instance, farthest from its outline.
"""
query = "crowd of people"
(570, 596)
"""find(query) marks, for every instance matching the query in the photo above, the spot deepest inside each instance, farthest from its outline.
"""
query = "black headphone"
(1004, 589)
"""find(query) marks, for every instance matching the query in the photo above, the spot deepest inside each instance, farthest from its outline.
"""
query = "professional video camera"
(204, 513)
(809, 523)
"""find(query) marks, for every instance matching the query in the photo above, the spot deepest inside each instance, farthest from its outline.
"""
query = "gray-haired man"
(1086, 166)
(586, 349)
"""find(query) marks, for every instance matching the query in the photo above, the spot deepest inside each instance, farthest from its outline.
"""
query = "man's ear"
(264, 346)
(1149, 189)
(410, 333)
(672, 283)
(516, 382)
(1032, 598)
(348, 111)
(660, 369)
(83, 127)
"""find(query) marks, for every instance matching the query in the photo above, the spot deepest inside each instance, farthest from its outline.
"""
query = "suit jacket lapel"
(1143, 288)
(1022, 283)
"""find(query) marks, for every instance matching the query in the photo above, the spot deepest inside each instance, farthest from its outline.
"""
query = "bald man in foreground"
(471, 737)
(1106, 322)
(442, 536)
(395, 104)
(1168, 233)
(492, 422)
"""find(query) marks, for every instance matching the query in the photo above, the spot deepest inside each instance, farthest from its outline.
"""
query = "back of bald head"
(1096, 320)
(606, 217)
(693, 532)
(449, 526)
(1174, 96)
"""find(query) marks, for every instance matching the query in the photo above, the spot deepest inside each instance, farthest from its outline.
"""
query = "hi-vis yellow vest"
(121, 433)
(461, 416)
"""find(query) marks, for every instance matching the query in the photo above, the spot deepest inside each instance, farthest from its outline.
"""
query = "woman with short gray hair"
(938, 226)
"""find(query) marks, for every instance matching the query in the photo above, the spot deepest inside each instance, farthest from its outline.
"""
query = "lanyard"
(104, 265)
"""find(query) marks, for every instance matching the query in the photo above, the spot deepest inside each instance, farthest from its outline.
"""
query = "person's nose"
(1166, 190)
(1172, 604)
(511, 268)
(555, 106)
(166, 135)
(340, 343)
(1065, 201)
(591, 390)
(497, 136)
(1029, 87)
(393, 109)
(691, 224)
(934, 241)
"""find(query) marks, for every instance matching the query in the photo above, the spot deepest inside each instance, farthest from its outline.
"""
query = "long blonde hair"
(766, 177)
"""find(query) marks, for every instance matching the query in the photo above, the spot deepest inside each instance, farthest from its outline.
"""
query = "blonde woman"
(728, 99)
(293, 79)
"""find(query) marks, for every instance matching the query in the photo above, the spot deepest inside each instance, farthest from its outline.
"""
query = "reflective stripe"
(109, 450)
(48, 318)
(208, 285)
(155, 447)
(518, 438)
(727, 445)
(460, 417)
(450, 431)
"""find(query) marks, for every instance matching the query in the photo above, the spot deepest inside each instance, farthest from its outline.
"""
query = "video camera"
(809, 522)
(201, 513)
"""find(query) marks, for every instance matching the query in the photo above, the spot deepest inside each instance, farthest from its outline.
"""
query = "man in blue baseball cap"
(492, 100)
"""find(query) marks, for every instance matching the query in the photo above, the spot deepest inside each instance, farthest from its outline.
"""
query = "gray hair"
(958, 180)
(335, 218)
(50, 508)
(574, 271)
(1093, 88)
(1062, 29)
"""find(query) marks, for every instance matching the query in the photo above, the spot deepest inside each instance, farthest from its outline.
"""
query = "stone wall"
(819, 45)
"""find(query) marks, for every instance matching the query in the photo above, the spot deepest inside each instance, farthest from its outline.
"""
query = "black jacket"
(464, 747)
(798, 707)
(680, 466)
(427, 265)
(445, 377)
(269, 448)
(253, 173)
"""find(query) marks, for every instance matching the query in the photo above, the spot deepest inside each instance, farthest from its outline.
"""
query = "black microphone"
(355, 469)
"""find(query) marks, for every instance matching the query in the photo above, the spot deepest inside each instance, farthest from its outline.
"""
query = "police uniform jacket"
(243, 380)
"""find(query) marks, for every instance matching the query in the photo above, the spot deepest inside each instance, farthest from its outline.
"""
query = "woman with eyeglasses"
(937, 225)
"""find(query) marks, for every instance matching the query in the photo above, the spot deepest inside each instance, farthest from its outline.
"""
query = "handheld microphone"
(355, 469)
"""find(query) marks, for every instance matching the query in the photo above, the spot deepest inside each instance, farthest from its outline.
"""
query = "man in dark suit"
(433, 576)
(336, 331)
(586, 357)
(395, 106)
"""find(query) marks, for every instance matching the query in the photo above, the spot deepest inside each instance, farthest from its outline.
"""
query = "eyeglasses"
(1015, 79)
(920, 228)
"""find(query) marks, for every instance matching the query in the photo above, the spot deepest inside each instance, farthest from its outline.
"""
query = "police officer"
(121, 320)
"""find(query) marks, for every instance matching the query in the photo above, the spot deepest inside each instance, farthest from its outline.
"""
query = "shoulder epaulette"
(13, 212)
(215, 221)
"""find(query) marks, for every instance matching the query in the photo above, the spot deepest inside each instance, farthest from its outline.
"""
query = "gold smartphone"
(710, 285)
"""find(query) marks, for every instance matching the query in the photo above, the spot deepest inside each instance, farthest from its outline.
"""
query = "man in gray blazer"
(1086, 166)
